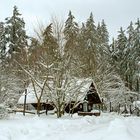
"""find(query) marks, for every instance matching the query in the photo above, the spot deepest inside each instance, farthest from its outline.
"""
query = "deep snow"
(105, 127)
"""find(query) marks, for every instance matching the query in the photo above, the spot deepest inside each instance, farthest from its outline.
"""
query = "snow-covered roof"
(31, 98)
(77, 87)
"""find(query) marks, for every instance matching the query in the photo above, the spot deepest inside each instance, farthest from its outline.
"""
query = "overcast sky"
(116, 13)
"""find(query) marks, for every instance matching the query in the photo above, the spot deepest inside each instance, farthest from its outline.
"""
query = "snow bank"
(105, 127)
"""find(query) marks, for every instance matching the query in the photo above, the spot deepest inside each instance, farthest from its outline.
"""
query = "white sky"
(116, 13)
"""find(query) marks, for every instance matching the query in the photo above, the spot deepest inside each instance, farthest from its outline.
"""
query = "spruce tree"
(137, 39)
(130, 32)
(104, 33)
(132, 59)
(50, 46)
(121, 44)
(137, 55)
(70, 32)
(2, 41)
(103, 41)
(130, 62)
(119, 53)
(91, 33)
(16, 35)
(99, 33)
(34, 50)
(82, 51)
(125, 55)
(91, 45)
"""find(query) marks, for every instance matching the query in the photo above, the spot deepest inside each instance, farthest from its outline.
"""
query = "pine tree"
(99, 33)
(129, 57)
(103, 41)
(119, 54)
(130, 32)
(137, 55)
(125, 55)
(34, 50)
(137, 39)
(70, 32)
(121, 46)
(50, 44)
(133, 51)
(91, 33)
(91, 45)
(15, 34)
(2, 41)
(82, 42)
(104, 33)
(82, 51)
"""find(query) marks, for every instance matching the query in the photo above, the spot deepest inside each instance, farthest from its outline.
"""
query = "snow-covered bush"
(112, 88)
(10, 85)
(3, 112)
(136, 104)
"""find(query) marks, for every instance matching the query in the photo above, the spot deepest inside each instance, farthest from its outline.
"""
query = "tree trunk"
(59, 113)
(137, 86)
(25, 102)
(38, 108)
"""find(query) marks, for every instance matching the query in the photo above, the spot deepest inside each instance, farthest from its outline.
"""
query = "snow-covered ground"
(105, 127)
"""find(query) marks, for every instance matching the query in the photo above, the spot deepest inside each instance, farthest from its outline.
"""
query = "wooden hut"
(91, 101)
(92, 97)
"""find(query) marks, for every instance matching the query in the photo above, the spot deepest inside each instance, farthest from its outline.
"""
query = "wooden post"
(99, 108)
(130, 109)
(138, 113)
(102, 104)
(110, 107)
(125, 109)
(25, 101)
(119, 108)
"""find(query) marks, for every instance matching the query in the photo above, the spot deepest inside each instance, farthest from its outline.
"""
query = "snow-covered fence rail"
(24, 111)
(132, 109)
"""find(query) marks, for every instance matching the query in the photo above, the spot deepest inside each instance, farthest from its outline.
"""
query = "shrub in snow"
(136, 104)
(3, 112)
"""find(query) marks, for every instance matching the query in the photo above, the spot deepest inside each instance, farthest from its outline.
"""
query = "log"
(25, 111)
(88, 113)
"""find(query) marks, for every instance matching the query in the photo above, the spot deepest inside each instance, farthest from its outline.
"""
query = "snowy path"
(105, 127)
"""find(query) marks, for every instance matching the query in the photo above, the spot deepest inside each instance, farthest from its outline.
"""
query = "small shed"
(90, 101)
(93, 98)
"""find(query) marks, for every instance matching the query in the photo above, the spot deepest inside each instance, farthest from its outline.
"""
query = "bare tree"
(35, 83)
(63, 86)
